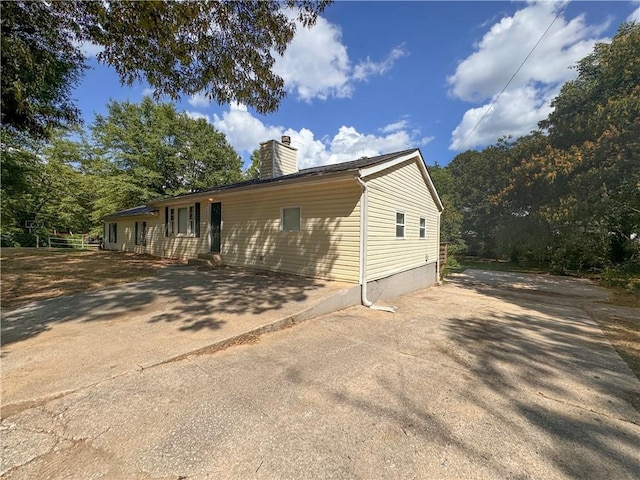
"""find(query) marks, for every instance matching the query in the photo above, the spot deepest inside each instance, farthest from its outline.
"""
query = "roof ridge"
(356, 164)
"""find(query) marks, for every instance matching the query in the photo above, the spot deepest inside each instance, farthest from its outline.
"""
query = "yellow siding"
(156, 243)
(125, 236)
(327, 245)
(177, 245)
(399, 189)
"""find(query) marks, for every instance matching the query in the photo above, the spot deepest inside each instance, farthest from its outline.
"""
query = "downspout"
(363, 249)
(438, 266)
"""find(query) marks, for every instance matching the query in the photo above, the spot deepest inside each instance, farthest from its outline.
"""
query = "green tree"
(53, 192)
(40, 66)
(451, 219)
(478, 177)
(591, 163)
(253, 172)
(149, 150)
(224, 50)
(567, 196)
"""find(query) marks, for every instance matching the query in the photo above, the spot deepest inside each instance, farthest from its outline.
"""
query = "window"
(423, 227)
(113, 233)
(141, 233)
(290, 219)
(399, 225)
(183, 221)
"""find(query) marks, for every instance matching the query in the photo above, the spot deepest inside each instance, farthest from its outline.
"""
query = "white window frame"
(174, 221)
(282, 209)
(111, 238)
(141, 228)
(402, 224)
(423, 228)
(171, 230)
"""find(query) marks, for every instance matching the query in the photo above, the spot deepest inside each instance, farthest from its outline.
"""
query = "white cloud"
(316, 63)
(89, 49)
(482, 75)
(148, 92)
(516, 113)
(199, 100)
(197, 115)
(635, 15)
(392, 127)
(366, 69)
(245, 132)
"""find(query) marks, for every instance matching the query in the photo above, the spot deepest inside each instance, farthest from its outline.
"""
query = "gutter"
(363, 249)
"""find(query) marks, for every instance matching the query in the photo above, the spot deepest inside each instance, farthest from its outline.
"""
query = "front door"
(216, 224)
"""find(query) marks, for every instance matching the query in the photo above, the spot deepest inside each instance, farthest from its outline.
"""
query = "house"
(375, 219)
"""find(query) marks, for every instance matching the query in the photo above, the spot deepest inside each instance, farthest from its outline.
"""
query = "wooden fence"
(78, 242)
(443, 253)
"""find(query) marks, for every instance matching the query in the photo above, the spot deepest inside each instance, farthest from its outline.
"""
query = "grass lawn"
(622, 330)
(30, 274)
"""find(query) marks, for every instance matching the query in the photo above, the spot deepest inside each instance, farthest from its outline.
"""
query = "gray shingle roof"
(307, 172)
(313, 172)
(130, 212)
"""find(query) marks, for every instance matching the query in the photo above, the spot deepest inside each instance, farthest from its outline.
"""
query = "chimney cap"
(286, 139)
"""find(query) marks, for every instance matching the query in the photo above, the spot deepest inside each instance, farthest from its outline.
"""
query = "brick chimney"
(277, 158)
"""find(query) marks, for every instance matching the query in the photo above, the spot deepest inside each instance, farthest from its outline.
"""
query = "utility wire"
(464, 141)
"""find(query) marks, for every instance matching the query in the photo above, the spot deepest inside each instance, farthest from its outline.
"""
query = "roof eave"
(368, 171)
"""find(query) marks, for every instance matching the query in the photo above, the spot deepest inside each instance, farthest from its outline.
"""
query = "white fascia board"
(416, 155)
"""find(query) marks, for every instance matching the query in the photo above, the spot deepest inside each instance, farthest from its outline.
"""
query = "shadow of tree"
(511, 390)
(192, 299)
(234, 291)
(550, 352)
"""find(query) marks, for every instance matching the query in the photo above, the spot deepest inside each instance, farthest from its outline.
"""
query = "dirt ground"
(30, 274)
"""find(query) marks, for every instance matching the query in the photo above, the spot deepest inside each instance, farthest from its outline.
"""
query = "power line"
(464, 141)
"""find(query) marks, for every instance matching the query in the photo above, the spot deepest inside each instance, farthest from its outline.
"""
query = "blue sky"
(377, 77)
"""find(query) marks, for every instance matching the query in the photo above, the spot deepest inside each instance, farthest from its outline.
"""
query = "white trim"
(363, 250)
(416, 155)
(367, 171)
(281, 229)
(404, 224)
(174, 229)
(420, 228)
(438, 266)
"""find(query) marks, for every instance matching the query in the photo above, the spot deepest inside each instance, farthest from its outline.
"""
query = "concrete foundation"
(401, 283)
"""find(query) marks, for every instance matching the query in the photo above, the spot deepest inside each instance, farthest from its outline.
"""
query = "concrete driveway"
(490, 376)
(57, 346)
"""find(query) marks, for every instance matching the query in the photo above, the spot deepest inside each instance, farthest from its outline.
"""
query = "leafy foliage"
(567, 196)
(51, 190)
(253, 172)
(40, 67)
(137, 152)
(223, 50)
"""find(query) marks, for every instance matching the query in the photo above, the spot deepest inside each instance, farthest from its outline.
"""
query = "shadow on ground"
(534, 371)
(553, 349)
(191, 299)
